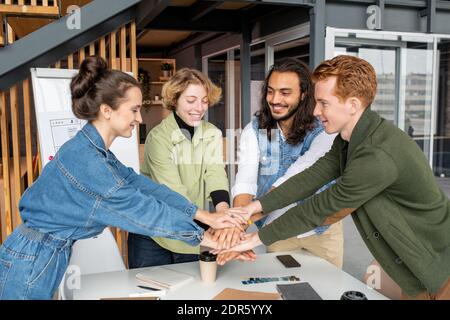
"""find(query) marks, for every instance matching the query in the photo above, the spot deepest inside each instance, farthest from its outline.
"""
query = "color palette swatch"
(264, 280)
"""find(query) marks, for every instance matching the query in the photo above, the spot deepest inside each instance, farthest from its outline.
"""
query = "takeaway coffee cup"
(353, 295)
(208, 267)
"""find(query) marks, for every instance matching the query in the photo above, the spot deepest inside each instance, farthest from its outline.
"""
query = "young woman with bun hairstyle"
(85, 188)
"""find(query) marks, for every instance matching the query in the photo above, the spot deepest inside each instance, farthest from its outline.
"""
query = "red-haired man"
(383, 180)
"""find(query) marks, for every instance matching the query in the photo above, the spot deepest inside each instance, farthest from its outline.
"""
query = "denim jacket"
(276, 156)
(85, 188)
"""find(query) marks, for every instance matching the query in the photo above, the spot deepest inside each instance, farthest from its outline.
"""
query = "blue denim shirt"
(85, 188)
(276, 156)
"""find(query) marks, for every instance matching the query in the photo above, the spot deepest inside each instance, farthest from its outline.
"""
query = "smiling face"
(128, 115)
(283, 94)
(192, 104)
(337, 116)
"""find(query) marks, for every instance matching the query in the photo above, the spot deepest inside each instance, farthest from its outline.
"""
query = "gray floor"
(356, 255)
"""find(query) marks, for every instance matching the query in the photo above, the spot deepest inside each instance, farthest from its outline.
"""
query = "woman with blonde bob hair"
(184, 153)
(172, 90)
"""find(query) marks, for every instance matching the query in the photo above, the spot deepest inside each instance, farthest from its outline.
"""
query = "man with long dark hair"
(282, 140)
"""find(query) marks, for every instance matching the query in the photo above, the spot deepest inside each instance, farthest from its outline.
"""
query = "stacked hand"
(223, 258)
(226, 227)
(247, 211)
(227, 236)
(231, 244)
(248, 242)
(224, 219)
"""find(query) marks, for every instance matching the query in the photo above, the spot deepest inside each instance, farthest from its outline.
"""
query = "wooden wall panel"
(6, 209)
(2, 33)
(70, 61)
(102, 48)
(92, 49)
(28, 137)
(112, 50)
(17, 183)
(81, 56)
(133, 55)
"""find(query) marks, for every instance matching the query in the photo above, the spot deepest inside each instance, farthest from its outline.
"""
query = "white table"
(328, 281)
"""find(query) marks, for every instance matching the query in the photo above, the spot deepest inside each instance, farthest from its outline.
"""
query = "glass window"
(258, 75)
(383, 59)
(298, 49)
(441, 159)
(405, 77)
(217, 73)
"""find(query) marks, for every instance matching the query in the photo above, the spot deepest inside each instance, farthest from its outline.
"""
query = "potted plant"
(166, 67)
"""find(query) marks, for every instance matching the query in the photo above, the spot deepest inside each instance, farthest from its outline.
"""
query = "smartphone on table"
(288, 261)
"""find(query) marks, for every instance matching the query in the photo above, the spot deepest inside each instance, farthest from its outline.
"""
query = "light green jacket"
(194, 168)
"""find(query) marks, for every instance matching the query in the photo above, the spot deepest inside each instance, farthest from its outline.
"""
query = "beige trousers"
(329, 245)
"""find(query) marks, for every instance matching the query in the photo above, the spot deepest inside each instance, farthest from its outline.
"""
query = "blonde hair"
(355, 77)
(172, 89)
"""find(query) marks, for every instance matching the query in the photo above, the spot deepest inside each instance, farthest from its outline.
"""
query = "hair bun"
(91, 69)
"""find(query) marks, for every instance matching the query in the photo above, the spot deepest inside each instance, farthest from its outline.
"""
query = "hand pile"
(231, 243)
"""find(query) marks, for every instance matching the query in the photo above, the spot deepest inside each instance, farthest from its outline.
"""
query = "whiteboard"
(56, 123)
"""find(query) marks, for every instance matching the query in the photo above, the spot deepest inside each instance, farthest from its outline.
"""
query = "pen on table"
(148, 288)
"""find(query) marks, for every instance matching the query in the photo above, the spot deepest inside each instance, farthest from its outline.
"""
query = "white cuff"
(240, 188)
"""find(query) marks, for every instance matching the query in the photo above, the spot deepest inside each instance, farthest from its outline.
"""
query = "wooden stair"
(24, 17)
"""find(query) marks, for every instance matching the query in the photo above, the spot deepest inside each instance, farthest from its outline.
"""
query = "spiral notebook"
(163, 278)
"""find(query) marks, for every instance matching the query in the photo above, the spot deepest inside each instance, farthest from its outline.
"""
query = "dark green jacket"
(385, 182)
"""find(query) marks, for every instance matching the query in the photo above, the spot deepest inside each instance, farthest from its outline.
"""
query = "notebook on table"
(163, 278)
(297, 291)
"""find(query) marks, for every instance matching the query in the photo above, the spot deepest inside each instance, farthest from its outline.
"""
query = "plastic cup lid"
(353, 295)
(207, 256)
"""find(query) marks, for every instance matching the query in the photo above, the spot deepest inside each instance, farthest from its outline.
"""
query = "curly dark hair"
(304, 119)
